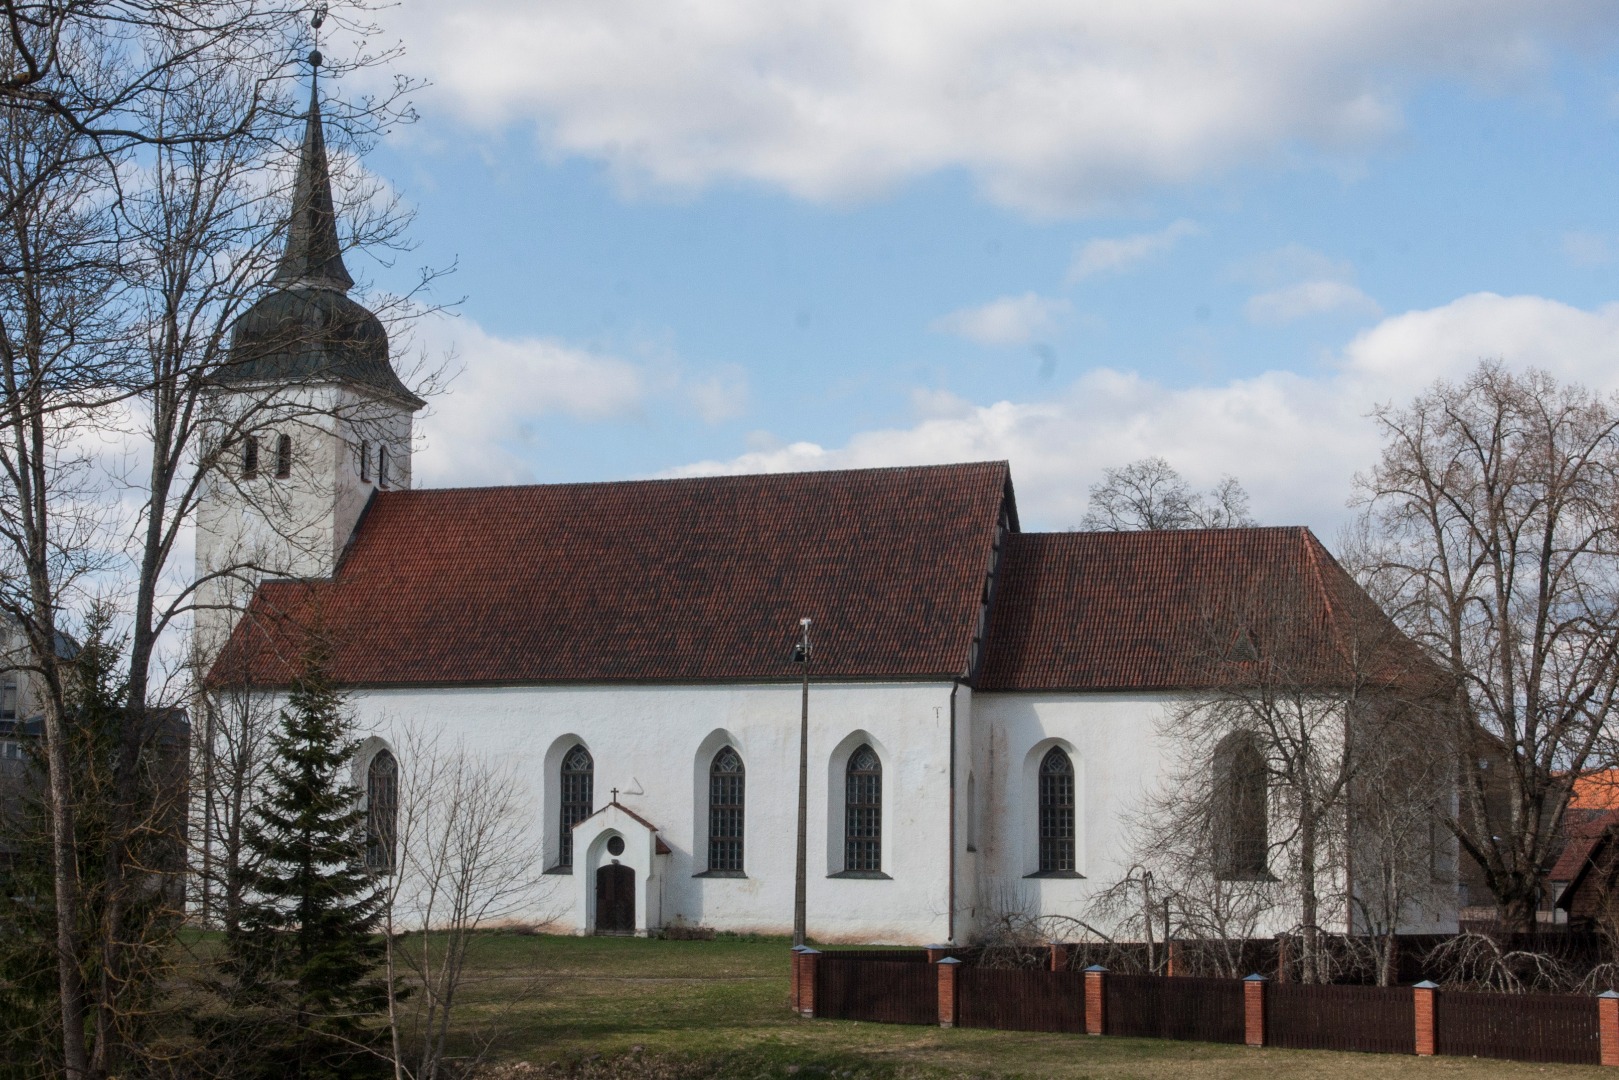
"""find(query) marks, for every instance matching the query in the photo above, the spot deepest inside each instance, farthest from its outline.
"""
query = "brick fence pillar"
(1057, 957)
(1427, 1028)
(1174, 962)
(947, 969)
(937, 953)
(792, 989)
(806, 982)
(1253, 1010)
(1095, 999)
(1608, 1026)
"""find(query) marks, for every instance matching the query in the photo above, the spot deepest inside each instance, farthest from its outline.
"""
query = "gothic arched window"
(283, 456)
(381, 811)
(726, 794)
(863, 812)
(1240, 818)
(578, 797)
(1056, 812)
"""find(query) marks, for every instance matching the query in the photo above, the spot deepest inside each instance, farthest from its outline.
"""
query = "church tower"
(308, 419)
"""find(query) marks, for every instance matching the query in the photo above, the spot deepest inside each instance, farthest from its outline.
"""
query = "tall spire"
(313, 255)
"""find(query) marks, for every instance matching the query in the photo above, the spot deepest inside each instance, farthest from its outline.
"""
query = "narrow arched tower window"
(1056, 812)
(863, 812)
(1239, 815)
(365, 461)
(283, 457)
(381, 811)
(250, 457)
(382, 466)
(726, 795)
(578, 798)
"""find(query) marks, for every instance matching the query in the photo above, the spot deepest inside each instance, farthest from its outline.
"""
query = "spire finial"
(313, 254)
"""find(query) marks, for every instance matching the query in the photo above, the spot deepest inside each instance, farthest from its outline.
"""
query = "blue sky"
(709, 236)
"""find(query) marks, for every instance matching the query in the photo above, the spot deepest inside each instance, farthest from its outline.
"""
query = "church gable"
(648, 581)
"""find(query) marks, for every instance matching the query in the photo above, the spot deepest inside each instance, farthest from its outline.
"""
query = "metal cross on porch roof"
(615, 794)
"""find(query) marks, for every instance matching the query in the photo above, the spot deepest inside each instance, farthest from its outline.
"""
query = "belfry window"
(283, 456)
(1056, 812)
(381, 811)
(250, 457)
(726, 796)
(863, 812)
(365, 461)
(578, 798)
(1240, 812)
(382, 466)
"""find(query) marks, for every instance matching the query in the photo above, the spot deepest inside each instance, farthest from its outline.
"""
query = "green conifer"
(305, 956)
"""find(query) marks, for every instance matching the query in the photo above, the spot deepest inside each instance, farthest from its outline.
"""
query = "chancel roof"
(652, 581)
(1185, 609)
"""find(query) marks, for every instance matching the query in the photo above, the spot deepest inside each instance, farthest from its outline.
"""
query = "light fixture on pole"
(801, 655)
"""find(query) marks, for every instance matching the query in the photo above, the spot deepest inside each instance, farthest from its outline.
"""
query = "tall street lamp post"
(801, 653)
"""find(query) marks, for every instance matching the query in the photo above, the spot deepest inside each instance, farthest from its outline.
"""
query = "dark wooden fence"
(1021, 999)
(886, 991)
(1519, 1027)
(1369, 1018)
(1153, 1007)
(901, 987)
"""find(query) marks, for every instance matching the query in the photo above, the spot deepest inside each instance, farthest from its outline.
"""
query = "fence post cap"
(1608, 994)
(1096, 967)
(936, 946)
(950, 960)
(807, 951)
(1256, 977)
(1425, 984)
(800, 948)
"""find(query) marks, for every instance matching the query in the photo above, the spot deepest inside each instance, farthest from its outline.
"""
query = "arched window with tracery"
(1056, 812)
(727, 791)
(1240, 818)
(578, 797)
(381, 811)
(863, 812)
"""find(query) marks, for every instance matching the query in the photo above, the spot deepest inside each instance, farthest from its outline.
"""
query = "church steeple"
(313, 255)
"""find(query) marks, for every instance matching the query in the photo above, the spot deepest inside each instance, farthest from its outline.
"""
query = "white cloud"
(1010, 320)
(1053, 106)
(1114, 254)
(1308, 298)
(1294, 440)
(1587, 249)
(481, 430)
(1304, 283)
(722, 396)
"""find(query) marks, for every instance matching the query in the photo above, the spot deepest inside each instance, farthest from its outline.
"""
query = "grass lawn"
(719, 1008)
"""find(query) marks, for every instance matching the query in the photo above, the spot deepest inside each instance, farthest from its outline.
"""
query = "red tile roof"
(1582, 830)
(656, 580)
(1180, 609)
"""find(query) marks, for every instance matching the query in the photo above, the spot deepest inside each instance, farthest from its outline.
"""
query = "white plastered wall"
(295, 526)
(1120, 755)
(645, 741)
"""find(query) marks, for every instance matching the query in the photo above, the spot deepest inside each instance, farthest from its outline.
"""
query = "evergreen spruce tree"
(303, 962)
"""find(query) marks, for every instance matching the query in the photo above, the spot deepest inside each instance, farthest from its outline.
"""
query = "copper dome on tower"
(306, 329)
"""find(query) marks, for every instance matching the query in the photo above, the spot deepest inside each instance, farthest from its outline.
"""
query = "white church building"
(986, 705)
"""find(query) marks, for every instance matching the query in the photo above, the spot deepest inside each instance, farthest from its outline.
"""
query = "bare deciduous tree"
(464, 861)
(1150, 494)
(1494, 504)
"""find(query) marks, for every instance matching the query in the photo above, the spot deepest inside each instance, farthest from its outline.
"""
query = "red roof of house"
(1582, 830)
(1179, 609)
(654, 580)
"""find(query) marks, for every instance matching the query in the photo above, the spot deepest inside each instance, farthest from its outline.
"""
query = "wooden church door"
(615, 900)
